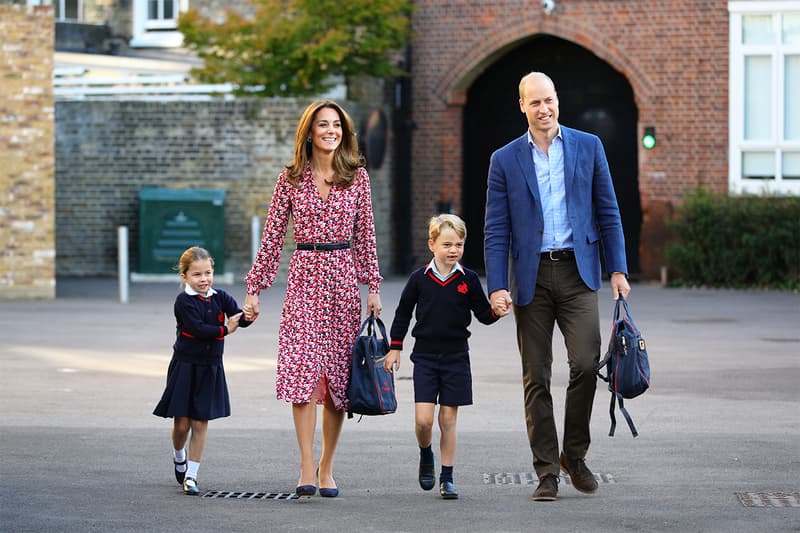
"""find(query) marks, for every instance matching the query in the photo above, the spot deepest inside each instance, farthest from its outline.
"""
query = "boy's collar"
(432, 266)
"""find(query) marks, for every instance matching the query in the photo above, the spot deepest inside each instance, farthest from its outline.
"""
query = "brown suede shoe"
(582, 478)
(547, 491)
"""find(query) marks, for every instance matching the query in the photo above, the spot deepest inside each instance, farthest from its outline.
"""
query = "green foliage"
(737, 241)
(292, 47)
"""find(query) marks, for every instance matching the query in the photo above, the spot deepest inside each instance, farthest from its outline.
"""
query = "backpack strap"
(624, 412)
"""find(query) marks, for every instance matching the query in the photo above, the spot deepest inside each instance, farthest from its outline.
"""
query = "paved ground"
(80, 451)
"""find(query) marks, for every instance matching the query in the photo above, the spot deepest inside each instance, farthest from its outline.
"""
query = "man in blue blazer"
(549, 204)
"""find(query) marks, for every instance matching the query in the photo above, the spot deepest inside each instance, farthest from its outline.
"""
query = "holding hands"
(501, 302)
(233, 322)
(250, 307)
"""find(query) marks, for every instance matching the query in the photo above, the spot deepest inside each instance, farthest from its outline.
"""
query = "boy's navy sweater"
(201, 326)
(443, 311)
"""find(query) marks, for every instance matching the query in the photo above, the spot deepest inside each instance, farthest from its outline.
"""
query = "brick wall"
(27, 260)
(674, 54)
(106, 151)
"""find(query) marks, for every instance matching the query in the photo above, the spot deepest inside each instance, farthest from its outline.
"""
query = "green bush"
(736, 241)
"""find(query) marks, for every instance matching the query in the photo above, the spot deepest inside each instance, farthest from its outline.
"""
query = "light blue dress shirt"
(552, 193)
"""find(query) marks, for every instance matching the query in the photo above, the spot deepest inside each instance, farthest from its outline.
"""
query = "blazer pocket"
(592, 237)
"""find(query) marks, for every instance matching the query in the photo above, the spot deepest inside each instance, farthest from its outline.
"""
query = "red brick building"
(713, 77)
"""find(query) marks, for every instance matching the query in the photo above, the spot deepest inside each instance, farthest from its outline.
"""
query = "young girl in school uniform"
(196, 391)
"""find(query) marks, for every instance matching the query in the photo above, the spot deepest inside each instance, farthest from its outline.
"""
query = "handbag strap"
(369, 325)
(628, 317)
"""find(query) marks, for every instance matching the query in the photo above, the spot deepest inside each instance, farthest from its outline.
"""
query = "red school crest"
(462, 288)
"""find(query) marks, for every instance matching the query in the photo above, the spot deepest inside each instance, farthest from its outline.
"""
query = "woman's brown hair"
(346, 158)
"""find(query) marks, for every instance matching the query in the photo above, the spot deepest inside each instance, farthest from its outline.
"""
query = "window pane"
(152, 10)
(71, 9)
(791, 102)
(169, 9)
(791, 28)
(791, 165)
(757, 29)
(758, 165)
(757, 98)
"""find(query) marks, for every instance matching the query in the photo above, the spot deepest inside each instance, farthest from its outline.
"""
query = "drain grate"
(233, 495)
(529, 478)
(769, 499)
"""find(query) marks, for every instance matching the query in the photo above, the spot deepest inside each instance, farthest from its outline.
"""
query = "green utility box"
(172, 220)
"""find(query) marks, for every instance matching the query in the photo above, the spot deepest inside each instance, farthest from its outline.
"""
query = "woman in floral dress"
(326, 192)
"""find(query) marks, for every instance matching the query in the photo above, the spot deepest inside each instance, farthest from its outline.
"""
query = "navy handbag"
(371, 390)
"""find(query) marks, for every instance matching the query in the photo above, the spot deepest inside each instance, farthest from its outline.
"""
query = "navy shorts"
(443, 378)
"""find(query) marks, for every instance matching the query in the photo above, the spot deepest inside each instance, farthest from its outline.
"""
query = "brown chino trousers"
(561, 298)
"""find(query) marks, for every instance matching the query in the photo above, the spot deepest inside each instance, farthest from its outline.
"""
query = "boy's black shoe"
(427, 477)
(448, 490)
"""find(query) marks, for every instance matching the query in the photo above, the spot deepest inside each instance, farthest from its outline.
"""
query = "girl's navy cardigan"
(201, 329)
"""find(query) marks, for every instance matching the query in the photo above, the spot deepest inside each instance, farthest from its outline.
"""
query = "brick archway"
(454, 83)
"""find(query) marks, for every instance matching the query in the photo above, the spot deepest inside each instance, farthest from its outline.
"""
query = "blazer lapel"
(526, 166)
(570, 158)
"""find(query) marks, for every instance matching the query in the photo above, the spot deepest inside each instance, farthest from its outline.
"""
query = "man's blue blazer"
(514, 222)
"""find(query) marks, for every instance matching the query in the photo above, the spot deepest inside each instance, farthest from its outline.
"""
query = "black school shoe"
(179, 475)
(448, 491)
(190, 486)
(427, 476)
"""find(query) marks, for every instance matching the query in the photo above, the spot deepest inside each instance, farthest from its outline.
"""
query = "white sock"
(179, 456)
(192, 470)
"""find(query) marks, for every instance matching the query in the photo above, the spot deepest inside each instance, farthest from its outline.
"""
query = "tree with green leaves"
(294, 47)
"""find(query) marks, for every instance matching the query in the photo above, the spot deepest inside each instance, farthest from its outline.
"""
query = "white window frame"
(155, 33)
(61, 8)
(736, 104)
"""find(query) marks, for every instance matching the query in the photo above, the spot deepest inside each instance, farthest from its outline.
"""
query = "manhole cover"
(233, 495)
(529, 478)
(769, 499)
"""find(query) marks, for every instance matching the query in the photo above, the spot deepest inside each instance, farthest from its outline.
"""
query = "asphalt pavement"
(718, 450)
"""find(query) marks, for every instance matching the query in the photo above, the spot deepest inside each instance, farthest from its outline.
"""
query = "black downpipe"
(403, 126)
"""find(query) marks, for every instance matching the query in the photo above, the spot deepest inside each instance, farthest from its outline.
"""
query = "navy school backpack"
(626, 363)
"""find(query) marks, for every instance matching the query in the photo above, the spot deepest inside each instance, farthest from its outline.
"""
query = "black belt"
(558, 255)
(323, 246)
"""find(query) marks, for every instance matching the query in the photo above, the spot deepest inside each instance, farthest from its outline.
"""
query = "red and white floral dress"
(322, 307)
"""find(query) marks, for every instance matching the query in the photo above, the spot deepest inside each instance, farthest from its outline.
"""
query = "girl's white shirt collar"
(191, 292)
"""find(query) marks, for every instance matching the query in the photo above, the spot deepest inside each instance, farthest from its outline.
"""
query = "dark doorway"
(592, 97)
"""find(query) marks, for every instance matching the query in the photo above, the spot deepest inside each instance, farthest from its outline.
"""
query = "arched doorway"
(592, 97)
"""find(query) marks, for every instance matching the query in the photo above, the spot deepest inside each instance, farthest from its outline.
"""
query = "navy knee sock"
(446, 474)
(426, 455)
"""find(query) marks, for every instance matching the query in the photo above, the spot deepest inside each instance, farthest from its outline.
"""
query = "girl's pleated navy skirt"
(196, 391)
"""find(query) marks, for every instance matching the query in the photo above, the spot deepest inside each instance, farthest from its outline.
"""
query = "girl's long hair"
(346, 158)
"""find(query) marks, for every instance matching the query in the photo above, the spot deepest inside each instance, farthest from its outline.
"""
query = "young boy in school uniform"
(445, 295)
